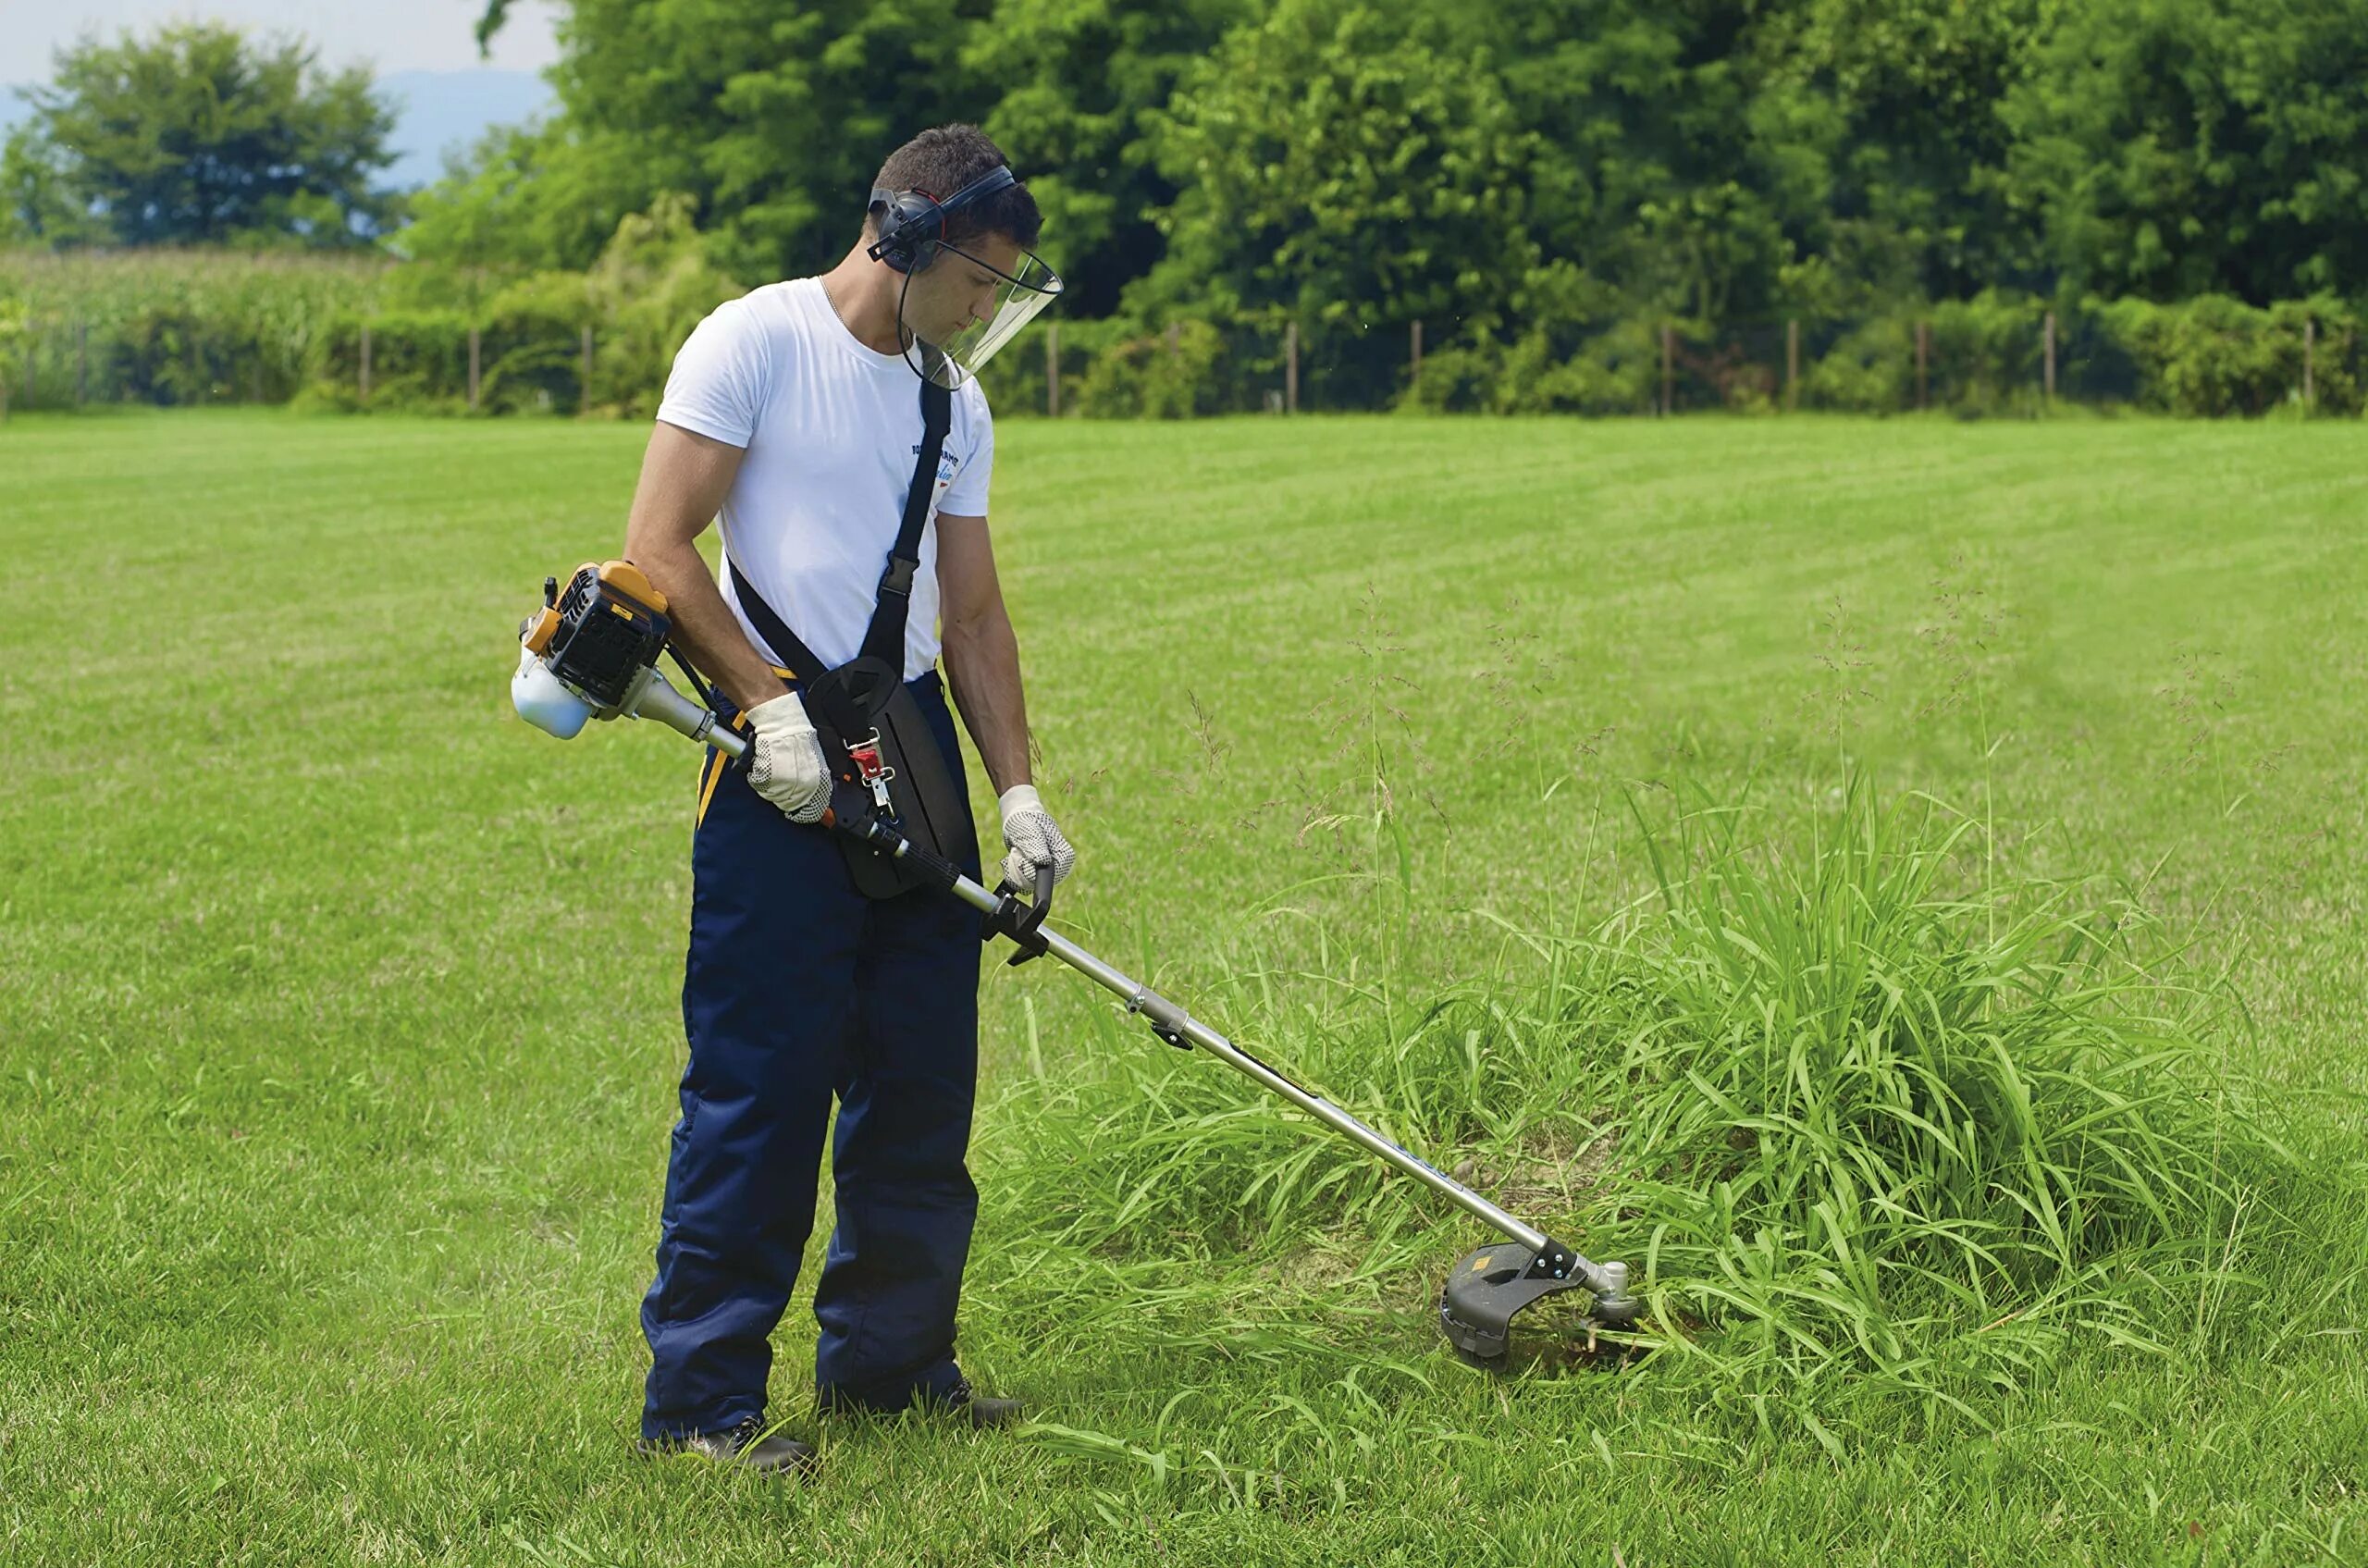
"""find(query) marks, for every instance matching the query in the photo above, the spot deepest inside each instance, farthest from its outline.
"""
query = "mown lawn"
(339, 1019)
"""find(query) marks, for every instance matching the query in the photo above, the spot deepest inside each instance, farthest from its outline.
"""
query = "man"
(795, 412)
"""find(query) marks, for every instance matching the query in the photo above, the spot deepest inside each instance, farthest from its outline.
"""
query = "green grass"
(1446, 763)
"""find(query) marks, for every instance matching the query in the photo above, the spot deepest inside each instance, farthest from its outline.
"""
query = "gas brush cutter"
(591, 652)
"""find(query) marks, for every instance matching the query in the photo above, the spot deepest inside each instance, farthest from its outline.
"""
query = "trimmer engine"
(591, 652)
(601, 634)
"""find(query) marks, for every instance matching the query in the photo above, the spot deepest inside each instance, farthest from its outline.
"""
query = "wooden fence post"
(1668, 353)
(1791, 364)
(473, 369)
(1290, 368)
(1175, 338)
(1053, 369)
(1414, 377)
(583, 393)
(365, 363)
(2310, 339)
(2050, 348)
(82, 363)
(1923, 364)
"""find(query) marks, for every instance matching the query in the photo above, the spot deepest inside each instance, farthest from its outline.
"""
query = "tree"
(1533, 170)
(1340, 167)
(771, 119)
(196, 136)
(2169, 148)
(516, 200)
(1892, 108)
(34, 206)
(1653, 179)
(774, 119)
(1074, 79)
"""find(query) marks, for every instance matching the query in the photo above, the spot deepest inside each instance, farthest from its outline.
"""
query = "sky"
(413, 36)
(423, 52)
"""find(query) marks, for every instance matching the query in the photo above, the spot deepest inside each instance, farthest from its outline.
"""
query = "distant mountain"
(436, 112)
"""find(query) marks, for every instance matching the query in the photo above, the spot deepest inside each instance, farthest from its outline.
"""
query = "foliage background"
(1543, 184)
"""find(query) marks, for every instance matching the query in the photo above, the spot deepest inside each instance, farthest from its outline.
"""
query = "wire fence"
(2204, 358)
(1990, 361)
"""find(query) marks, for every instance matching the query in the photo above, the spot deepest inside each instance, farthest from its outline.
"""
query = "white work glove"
(1028, 829)
(786, 765)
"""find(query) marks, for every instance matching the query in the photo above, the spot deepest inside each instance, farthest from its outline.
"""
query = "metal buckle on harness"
(875, 773)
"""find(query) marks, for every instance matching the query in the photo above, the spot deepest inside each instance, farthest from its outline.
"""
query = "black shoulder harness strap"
(884, 638)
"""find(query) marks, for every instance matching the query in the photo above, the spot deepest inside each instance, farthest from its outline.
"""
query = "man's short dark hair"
(941, 161)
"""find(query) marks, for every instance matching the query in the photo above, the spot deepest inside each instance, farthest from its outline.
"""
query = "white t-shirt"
(832, 430)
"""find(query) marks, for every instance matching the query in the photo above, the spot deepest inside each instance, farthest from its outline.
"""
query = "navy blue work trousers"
(799, 990)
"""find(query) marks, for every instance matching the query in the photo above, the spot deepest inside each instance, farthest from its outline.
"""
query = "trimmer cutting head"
(1487, 1287)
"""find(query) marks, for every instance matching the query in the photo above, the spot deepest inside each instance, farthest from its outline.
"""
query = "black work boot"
(742, 1445)
(979, 1410)
(957, 1403)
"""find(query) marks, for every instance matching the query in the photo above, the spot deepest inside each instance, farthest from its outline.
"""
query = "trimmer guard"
(1487, 1287)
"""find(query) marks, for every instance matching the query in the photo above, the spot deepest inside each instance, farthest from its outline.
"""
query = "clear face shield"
(950, 344)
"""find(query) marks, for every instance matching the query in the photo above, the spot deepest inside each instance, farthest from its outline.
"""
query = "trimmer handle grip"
(849, 814)
(1018, 921)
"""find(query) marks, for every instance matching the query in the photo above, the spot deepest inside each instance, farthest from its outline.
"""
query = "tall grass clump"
(1893, 1121)
(1888, 1132)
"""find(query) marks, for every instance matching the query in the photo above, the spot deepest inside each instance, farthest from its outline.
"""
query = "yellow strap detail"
(707, 789)
(716, 766)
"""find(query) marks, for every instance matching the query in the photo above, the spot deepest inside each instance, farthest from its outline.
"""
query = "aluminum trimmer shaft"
(1175, 1026)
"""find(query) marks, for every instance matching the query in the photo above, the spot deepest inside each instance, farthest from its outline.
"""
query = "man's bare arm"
(982, 651)
(685, 477)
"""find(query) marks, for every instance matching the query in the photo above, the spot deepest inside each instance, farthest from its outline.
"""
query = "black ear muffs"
(912, 222)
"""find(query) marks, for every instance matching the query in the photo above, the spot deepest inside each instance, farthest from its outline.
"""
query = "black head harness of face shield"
(912, 222)
(911, 236)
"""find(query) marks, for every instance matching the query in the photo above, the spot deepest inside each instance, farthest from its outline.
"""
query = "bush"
(1458, 378)
(1613, 371)
(1987, 354)
(1170, 375)
(1871, 370)
(419, 360)
(1014, 380)
(649, 289)
(2215, 356)
(652, 284)
(1616, 371)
